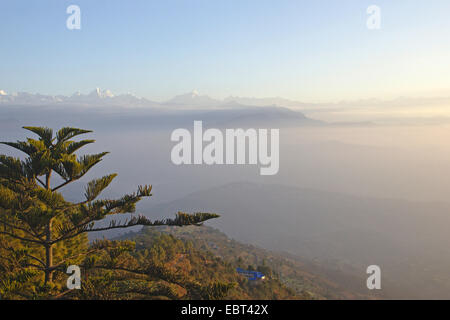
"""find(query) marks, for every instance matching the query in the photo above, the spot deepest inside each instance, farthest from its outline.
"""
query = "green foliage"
(162, 270)
(283, 271)
(201, 273)
(41, 233)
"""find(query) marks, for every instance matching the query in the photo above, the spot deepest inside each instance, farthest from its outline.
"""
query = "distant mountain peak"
(193, 99)
(95, 98)
(104, 97)
(101, 93)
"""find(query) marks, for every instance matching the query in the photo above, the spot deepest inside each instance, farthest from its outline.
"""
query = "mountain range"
(402, 110)
(102, 106)
(99, 97)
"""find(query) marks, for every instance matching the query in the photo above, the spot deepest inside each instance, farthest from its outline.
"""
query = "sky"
(312, 51)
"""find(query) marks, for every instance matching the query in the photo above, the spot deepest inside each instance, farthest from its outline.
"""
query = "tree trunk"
(49, 255)
(48, 246)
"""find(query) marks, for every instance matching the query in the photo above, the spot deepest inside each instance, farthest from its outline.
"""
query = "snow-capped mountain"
(95, 98)
(193, 99)
(179, 111)
(27, 98)
(98, 93)
(278, 101)
(106, 98)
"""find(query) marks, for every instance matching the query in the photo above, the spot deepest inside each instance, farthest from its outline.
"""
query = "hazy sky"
(304, 50)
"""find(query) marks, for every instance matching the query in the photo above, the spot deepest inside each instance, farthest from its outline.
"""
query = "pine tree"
(41, 232)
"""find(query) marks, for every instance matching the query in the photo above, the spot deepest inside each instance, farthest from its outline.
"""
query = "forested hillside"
(191, 263)
(219, 256)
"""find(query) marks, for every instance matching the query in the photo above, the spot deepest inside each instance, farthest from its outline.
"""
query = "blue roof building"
(251, 275)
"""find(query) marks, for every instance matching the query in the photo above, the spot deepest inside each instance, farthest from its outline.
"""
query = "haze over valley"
(348, 193)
